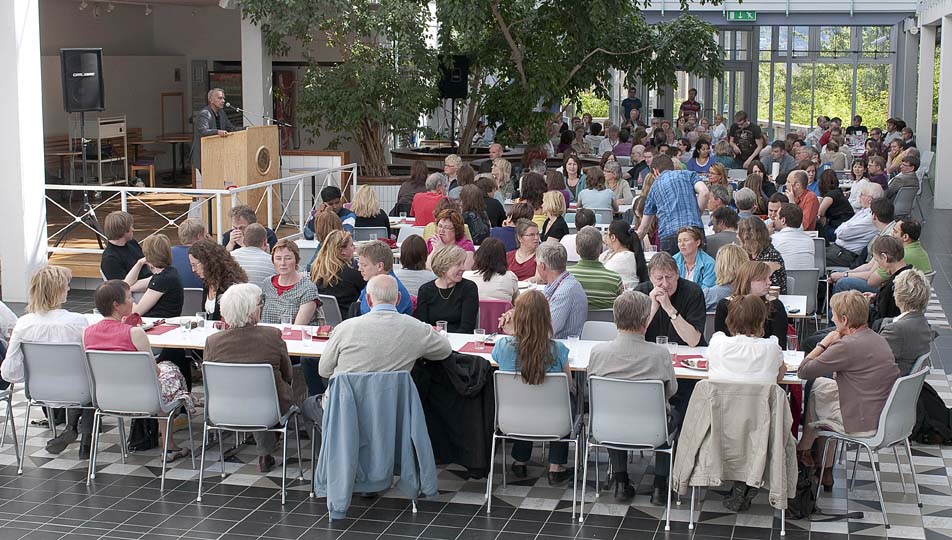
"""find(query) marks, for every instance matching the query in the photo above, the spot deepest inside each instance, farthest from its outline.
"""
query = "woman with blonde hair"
(164, 296)
(366, 207)
(502, 174)
(335, 273)
(755, 239)
(553, 206)
(449, 297)
(717, 176)
(324, 222)
(530, 351)
(728, 261)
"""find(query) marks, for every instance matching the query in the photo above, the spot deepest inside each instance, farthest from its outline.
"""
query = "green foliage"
(385, 80)
(589, 103)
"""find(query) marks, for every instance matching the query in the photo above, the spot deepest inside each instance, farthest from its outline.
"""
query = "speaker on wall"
(82, 80)
(454, 78)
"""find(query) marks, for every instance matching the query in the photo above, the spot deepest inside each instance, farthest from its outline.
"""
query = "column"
(926, 81)
(255, 74)
(943, 181)
(23, 205)
(907, 106)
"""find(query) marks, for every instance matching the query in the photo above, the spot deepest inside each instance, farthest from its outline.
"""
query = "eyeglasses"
(531, 235)
(446, 227)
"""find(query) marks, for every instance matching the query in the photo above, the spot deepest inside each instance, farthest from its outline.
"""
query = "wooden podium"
(241, 159)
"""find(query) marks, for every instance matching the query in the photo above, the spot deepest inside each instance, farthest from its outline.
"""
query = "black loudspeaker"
(454, 78)
(82, 80)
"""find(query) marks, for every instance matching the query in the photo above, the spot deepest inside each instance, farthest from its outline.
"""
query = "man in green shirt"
(908, 230)
(601, 285)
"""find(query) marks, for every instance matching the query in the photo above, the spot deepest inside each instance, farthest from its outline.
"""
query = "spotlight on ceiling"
(110, 7)
(148, 10)
(83, 5)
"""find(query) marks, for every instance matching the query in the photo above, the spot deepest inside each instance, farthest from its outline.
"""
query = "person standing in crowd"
(745, 138)
(674, 202)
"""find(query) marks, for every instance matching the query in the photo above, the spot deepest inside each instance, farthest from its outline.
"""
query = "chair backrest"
(737, 174)
(240, 395)
(708, 326)
(791, 283)
(904, 200)
(819, 254)
(930, 276)
(489, 313)
(331, 309)
(193, 302)
(406, 232)
(55, 373)
(607, 315)
(920, 363)
(124, 382)
(924, 166)
(627, 412)
(805, 284)
(537, 410)
(599, 331)
(363, 233)
(603, 215)
(899, 414)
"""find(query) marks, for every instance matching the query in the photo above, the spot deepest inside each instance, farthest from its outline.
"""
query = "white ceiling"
(189, 3)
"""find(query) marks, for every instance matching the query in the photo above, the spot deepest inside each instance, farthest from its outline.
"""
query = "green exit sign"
(741, 15)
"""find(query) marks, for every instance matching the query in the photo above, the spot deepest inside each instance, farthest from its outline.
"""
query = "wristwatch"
(675, 316)
(846, 274)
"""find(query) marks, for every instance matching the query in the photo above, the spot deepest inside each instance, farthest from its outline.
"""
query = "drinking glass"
(573, 346)
(307, 336)
(285, 325)
(373, 236)
(403, 216)
(792, 344)
(185, 323)
(662, 340)
(441, 327)
(202, 319)
(673, 348)
(479, 335)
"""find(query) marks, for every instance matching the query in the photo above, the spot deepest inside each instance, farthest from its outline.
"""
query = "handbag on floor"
(143, 435)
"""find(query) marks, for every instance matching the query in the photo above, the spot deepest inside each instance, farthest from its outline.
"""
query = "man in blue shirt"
(331, 196)
(674, 202)
(629, 103)
(375, 259)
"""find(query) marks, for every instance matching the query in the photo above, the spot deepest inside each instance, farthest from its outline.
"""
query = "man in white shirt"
(795, 246)
(719, 131)
(609, 143)
(853, 235)
(822, 124)
(594, 138)
(254, 258)
(583, 218)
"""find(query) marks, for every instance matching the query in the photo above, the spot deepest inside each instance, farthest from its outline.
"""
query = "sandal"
(173, 455)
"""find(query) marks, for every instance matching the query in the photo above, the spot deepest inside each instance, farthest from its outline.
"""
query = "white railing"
(304, 187)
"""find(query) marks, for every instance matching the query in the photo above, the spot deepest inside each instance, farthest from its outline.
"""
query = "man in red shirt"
(424, 203)
(690, 108)
(804, 198)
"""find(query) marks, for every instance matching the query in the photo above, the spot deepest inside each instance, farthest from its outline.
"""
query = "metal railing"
(304, 187)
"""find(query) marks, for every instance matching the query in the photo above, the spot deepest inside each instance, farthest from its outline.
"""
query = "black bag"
(933, 419)
(143, 435)
(804, 502)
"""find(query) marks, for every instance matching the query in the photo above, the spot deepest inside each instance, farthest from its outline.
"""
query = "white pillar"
(255, 74)
(943, 165)
(23, 205)
(908, 111)
(926, 81)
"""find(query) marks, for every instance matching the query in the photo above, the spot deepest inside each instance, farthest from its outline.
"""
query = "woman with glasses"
(450, 232)
(522, 261)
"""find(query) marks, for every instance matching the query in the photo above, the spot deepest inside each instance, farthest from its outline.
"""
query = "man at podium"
(210, 120)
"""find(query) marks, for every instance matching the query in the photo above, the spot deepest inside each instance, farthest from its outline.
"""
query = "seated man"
(858, 231)
(331, 198)
(122, 251)
(720, 198)
(795, 246)
(584, 217)
(629, 356)
(678, 310)
(906, 177)
(797, 183)
(745, 199)
(724, 222)
(601, 285)
(425, 203)
(189, 232)
(254, 257)
(869, 277)
(376, 259)
(567, 300)
(241, 217)
(773, 210)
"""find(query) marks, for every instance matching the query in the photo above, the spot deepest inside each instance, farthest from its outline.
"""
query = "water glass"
(203, 319)
(286, 325)
(403, 216)
(307, 336)
(662, 340)
(792, 344)
(673, 348)
(373, 237)
(573, 346)
(479, 335)
(186, 324)
(441, 327)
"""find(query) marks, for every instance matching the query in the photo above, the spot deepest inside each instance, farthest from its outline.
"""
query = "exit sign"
(741, 15)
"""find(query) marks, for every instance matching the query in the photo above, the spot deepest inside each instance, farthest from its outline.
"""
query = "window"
(876, 41)
(835, 42)
(801, 41)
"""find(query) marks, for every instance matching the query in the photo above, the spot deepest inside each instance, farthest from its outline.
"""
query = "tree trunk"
(370, 138)
(472, 115)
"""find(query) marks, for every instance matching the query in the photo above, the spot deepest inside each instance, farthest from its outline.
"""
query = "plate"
(179, 320)
(791, 368)
(692, 363)
(524, 284)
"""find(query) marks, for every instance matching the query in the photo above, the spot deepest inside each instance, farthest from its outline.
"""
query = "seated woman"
(449, 232)
(835, 208)
(909, 335)
(474, 212)
(164, 295)
(865, 371)
(531, 191)
(507, 233)
(624, 254)
(413, 271)
(46, 321)
(493, 279)
(122, 251)
(288, 293)
(449, 297)
(619, 187)
(744, 355)
(446, 203)
(217, 269)
(555, 181)
(530, 350)
(754, 237)
(324, 222)
(114, 302)
(753, 278)
(246, 342)
(694, 264)
(366, 208)
(522, 261)
(554, 225)
(595, 194)
(334, 272)
(728, 261)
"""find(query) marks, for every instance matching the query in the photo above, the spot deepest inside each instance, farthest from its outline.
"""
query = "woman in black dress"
(335, 273)
(835, 208)
(754, 278)
(366, 208)
(449, 297)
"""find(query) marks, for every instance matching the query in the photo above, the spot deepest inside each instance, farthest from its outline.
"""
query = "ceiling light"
(83, 5)
(148, 10)
(96, 10)
(110, 7)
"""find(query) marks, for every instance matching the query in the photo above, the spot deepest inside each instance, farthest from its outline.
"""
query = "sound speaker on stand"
(454, 78)
(82, 80)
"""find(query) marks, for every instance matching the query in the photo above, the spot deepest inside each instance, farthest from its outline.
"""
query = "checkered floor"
(51, 500)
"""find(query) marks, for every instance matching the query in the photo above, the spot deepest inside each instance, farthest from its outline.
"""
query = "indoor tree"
(386, 76)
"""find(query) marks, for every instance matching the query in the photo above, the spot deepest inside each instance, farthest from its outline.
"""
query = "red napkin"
(470, 347)
(679, 358)
(161, 329)
(298, 335)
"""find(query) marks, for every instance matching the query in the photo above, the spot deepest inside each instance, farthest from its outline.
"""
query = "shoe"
(265, 463)
(624, 491)
(85, 445)
(179, 423)
(519, 470)
(64, 439)
(369, 494)
(558, 477)
(659, 496)
(826, 479)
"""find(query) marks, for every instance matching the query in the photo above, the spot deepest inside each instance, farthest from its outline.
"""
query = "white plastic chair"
(603, 215)
(605, 315)
(737, 174)
(896, 421)
(805, 283)
(930, 276)
(904, 201)
(599, 331)
(331, 309)
(406, 232)
(365, 233)
(536, 413)
(7, 397)
(627, 415)
(54, 377)
(709, 326)
(920, 363)
(244, 398)
(125, 385)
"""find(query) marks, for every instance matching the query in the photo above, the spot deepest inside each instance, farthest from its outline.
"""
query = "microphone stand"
(242, 111)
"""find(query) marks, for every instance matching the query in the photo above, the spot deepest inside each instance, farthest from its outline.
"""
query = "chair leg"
(49, 412)
(902, 477)
(201, 467)
(124, 451)
(588, 448)
(575, 479)
(313, 457)
(284, 463)
(504, 467)
(191, 437)
(783, 522)
(221, 452)
(853, 478)
(879, 487)
(826, 447)
(97, 421)
(691, 514)
(26, 427)
(3, 437)
(912, 469)
(489, 479)
(297, 439)
(165, 448)
(667, 512)
(13, 430)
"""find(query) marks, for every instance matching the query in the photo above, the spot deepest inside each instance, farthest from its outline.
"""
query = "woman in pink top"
(450, 231)
(114, 301)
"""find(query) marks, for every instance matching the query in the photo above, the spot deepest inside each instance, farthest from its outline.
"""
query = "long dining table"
(178, 337)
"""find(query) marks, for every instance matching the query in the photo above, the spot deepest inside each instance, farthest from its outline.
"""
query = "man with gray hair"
(745, 199)
(600, 284)
(609, 142)
(210, 120)
(678, 310)
(720, 198)
(424, 203)
(567, 300)
(538, 166)
(631, 357)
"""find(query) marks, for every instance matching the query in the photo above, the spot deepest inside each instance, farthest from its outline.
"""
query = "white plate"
(691, 363)
(179, 320)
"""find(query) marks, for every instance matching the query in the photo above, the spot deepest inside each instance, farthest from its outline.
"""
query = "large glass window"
(834, 41)
(872, 93)
(876, 42)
